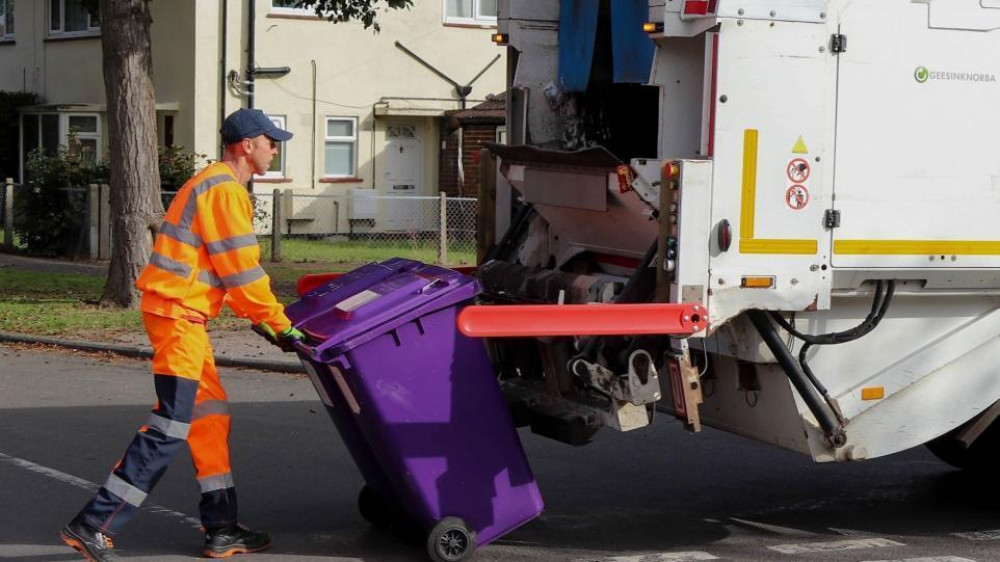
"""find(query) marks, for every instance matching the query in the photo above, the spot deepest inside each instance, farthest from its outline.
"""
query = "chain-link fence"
(361, 228)
(355, 228)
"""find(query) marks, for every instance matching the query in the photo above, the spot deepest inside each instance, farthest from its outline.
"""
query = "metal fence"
(319, 228)
(350, 228)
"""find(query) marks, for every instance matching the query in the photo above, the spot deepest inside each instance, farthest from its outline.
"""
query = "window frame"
(476, 19)
(353, 140)
(290, 11)
(279, 121)
(9, 21)
(91, 31)
(63, 132)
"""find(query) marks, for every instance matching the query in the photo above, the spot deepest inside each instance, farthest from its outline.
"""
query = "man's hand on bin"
(285, 340)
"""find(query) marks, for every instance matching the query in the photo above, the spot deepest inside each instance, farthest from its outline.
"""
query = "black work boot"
(236, 539)
(93, 544)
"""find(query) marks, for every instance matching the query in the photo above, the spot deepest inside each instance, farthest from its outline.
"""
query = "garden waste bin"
(417, 404)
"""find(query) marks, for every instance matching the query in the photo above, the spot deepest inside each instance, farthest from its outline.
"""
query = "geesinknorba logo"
(922, 74)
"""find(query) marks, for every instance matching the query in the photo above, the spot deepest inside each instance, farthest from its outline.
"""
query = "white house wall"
(355, 70)
(359, 74)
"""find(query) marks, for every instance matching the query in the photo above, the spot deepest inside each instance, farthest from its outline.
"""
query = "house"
(369, 111)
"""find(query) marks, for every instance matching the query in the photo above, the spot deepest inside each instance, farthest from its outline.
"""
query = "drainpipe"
(251, 71)
(251, 47)
(222, 72)
(313, 176)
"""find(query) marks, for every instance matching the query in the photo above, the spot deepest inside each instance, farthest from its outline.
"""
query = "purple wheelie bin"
(417, 404)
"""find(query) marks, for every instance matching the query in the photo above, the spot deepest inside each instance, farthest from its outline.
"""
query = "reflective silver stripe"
(209, 408)
(170, 428)
(181, 235)
(125, 491)
(216, 482)
(191, 205)
(167, 264)
(233, 243)
(209, 278)
(243, 277)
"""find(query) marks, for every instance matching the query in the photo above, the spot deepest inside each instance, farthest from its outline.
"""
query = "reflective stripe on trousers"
(191, 407)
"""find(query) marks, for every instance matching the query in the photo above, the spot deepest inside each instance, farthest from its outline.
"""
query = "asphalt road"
(654, 495)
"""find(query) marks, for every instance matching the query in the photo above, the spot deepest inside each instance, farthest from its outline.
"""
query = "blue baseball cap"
(249, 123)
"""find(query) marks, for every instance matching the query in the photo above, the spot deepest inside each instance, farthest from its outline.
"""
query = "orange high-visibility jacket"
(206, 253)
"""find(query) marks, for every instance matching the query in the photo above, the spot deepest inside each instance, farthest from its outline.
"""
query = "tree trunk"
(136, 208)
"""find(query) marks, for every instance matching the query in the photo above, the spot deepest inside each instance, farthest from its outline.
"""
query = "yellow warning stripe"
(749, 201)
(761, 246)
(748, 209)
(916, 247)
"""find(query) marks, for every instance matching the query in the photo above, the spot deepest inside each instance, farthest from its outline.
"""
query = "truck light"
(671, 171)
(724, 235)
(758, 282)
(696, 7)
(873, 393)
(653, 27)
(500, 38)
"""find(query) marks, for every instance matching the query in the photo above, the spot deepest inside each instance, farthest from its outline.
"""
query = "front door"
(403, 179)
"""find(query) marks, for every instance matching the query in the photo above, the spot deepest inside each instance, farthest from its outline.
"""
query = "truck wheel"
(981, 457)
(373, 508)
(450, 541)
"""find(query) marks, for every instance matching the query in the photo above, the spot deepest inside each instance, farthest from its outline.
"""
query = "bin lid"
(318, 301)
(371, 301)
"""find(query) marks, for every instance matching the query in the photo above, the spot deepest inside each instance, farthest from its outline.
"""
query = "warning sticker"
(799, 170)
(800, 147)
(797, 197)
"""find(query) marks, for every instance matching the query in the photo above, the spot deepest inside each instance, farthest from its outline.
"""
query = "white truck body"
(843, 143)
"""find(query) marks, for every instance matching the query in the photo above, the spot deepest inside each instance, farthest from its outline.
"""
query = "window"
(288, 7)
(67, 18)
(80, 133)
(340, 154)
(6, 19)
(277, 169)
(83, 137)
(478, 12)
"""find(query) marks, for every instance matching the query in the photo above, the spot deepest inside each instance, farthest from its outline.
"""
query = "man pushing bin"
(205, 255)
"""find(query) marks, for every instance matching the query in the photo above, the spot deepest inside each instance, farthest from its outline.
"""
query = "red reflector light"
(725, 234)
(696, 7)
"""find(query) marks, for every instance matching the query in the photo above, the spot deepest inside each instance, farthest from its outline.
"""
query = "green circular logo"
(921, 74)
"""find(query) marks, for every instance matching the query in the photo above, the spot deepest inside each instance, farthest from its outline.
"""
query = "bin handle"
(435, 284)
(304, 348)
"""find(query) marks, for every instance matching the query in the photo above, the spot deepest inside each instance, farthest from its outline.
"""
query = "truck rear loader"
(811, 186)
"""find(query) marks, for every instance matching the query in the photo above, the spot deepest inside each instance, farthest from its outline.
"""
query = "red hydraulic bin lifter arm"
(499, 321)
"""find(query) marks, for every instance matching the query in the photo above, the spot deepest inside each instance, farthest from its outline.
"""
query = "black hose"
(832, 428)
(880, 305)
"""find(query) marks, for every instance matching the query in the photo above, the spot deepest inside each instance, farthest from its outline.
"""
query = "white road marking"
(930, 559)
(783, 531)
(91, 487)
(979, 535)
(660, 557)
(851, 544)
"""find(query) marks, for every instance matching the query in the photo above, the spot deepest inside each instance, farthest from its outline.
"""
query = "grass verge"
(65, 304)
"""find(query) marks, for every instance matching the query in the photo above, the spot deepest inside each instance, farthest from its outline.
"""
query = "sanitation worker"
(205, 255)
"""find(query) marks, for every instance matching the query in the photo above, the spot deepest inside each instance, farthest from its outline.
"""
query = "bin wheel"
(373, 508)
(450, 541)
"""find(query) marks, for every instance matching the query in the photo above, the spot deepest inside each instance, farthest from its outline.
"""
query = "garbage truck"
(813, 184)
